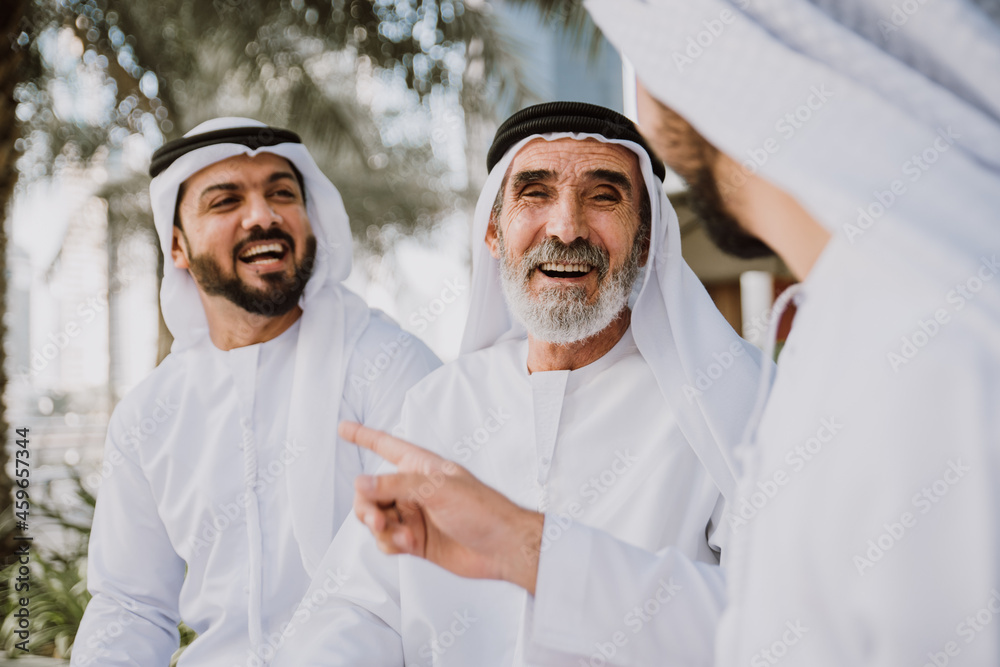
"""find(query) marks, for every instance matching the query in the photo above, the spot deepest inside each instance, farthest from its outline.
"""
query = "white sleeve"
(603, 601)
(133, 573)
(386, 364)
(350, 615)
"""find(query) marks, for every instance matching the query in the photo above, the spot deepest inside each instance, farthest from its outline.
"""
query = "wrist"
(520, 566)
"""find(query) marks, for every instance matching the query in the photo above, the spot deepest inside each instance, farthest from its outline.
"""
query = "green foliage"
(159, 68)
(58, 597)
(58, 580)
(58, 588)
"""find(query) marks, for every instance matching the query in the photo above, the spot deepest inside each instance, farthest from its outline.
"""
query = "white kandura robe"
(872, 481)
(895, 459)
(193, 503)
(597, 443)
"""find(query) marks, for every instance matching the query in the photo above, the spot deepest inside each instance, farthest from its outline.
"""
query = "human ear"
(178, 249)
(644, 257)
(491, 238)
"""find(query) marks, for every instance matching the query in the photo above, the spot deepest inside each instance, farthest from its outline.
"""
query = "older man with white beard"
(568, 401)
(867, 531)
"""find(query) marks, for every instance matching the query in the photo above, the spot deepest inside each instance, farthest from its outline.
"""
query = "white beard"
(562, 315)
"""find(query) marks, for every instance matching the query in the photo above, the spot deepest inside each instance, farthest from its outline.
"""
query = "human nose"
(567, 221)
(260, 213)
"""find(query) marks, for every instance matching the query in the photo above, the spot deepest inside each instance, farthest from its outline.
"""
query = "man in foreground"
(860, 142)
(225, 482)
(559, 405)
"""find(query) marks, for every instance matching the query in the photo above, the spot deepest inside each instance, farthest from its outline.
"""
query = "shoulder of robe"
(160, 391)
(471, 371)
(894, 355)
(381, 336)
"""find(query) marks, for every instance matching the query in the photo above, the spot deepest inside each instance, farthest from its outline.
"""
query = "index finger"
(389, 448)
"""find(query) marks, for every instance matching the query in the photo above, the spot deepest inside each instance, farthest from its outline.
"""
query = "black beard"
(278, 299)
(724, 231)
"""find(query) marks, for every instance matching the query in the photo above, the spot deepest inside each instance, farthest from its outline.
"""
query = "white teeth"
(256, 250)
(565, 268)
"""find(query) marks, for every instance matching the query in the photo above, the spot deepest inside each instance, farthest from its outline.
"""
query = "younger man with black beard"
(224, 480)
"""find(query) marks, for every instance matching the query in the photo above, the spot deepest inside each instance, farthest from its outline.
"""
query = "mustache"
(580, 251)
(258, 234)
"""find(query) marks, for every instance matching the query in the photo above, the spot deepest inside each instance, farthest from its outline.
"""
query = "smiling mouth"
(565, 269)
(263, 253)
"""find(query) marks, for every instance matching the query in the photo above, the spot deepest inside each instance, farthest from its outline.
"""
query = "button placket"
(548, 390)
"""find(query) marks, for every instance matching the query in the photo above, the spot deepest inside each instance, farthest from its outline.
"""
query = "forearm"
(518, 564)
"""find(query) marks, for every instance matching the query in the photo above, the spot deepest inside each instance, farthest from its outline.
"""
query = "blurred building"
(73, 353)
(17, 316)
(80, 330)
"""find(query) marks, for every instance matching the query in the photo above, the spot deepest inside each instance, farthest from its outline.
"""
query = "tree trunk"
(12, 13)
